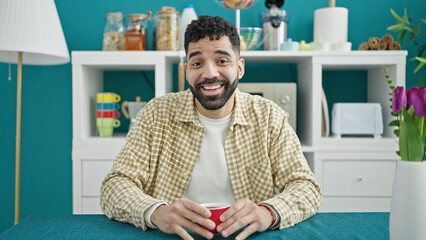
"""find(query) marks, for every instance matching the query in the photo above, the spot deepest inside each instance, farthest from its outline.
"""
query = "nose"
(210, 70)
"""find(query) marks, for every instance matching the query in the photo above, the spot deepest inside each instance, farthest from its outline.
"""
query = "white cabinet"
(356, 174)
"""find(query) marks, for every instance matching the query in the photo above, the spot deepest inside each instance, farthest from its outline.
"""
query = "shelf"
(93, 156)
(134, 59)
(356, 144)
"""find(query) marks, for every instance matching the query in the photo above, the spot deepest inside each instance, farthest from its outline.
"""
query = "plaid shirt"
(162, 148)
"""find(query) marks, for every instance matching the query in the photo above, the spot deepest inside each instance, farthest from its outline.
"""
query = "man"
(211, 144)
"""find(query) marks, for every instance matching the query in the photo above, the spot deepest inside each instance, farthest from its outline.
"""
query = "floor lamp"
(30, 33)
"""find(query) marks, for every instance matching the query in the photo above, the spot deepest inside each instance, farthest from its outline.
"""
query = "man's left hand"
(244, 212)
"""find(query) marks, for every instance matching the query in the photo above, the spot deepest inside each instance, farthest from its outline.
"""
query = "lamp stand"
(18, 139)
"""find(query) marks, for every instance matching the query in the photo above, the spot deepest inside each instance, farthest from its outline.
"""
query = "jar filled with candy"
(113, 32)
(166, 31)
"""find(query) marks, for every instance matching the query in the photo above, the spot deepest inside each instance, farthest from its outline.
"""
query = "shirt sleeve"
(300, 195)
(122, 194)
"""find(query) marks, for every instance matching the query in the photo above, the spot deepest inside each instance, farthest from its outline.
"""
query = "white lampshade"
(32, 27)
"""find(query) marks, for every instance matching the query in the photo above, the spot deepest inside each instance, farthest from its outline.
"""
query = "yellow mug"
(107, 97)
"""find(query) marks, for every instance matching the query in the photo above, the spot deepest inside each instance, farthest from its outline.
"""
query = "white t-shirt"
(210, 180)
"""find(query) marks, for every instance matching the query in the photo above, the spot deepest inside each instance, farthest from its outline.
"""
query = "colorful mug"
(107, 114)
(107, 97)
(107, 122)
(107, 106)
(106, 126)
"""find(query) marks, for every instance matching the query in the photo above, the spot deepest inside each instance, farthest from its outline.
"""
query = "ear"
(186, 69)
(241, 65)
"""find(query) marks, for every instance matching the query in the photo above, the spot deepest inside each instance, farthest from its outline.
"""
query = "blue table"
(320, 226)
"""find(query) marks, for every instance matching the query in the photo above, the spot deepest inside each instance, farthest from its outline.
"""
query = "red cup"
(107, 114)
(216, 209)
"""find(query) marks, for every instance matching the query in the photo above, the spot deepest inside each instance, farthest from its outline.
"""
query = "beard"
(217, 101)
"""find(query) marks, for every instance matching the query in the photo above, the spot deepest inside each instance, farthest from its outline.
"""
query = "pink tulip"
(416, 97)
(399, 99)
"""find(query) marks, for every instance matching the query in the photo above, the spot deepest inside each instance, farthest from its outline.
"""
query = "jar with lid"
(113, 32)
(136, 36)
(166, 31)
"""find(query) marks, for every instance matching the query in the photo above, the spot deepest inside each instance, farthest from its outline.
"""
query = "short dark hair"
(213, 27)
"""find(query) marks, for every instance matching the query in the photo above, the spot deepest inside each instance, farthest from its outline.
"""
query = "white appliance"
(357, 119)
(283, 94)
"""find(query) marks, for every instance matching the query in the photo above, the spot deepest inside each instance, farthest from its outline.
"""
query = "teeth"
(211, 87)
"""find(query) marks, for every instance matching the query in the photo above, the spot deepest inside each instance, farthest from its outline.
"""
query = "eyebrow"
(221, 52)
(194, 54)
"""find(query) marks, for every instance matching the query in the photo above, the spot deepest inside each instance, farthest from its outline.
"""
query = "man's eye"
(222, 61)
(195, 64)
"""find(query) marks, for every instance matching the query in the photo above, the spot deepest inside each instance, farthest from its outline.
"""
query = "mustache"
(211, 81)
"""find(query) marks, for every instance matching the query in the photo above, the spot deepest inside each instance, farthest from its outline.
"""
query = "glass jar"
(166, 29)
(113, 32)
(136, 36)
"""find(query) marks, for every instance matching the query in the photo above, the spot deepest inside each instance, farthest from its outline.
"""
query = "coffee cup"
(106, 126)
(108, 106)
(107, 114)
(107, 122)
(107, 97)
(216, 209)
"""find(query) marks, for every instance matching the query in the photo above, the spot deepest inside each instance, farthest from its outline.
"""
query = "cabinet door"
(368, 178)
(93, 173)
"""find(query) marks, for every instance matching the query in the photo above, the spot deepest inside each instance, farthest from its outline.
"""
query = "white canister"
(188, 14)
(331, 24)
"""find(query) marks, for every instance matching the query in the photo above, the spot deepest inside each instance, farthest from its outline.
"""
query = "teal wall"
(46, 175)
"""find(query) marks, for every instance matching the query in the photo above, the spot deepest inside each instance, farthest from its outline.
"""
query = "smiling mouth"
(212, 87)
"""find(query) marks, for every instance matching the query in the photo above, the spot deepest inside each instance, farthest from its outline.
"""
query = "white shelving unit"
(356, 174)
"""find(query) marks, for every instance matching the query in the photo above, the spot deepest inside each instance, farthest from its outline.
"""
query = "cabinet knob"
(359, 179)
(285, 99)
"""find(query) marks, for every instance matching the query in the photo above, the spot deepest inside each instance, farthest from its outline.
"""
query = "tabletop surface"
(320, 226)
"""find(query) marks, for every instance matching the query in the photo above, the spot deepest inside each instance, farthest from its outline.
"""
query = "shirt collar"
(239, 109)
(186, 109)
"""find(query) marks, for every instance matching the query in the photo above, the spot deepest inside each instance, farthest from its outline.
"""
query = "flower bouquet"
(409, 106)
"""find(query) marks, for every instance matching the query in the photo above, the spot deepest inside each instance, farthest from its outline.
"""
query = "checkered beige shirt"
(262, 152)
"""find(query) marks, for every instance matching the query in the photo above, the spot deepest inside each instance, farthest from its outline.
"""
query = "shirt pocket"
(261, 181)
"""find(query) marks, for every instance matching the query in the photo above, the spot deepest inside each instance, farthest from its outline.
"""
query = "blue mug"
(108, 106)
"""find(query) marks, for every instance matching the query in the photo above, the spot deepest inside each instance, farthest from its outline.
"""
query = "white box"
(357, 119)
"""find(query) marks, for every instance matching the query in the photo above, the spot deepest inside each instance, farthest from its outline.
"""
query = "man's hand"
(242, 213)
(183, 213)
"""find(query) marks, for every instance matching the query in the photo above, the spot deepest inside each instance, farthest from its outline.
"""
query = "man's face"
(213, 70)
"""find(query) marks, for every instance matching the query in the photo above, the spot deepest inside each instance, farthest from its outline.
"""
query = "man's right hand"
(183, 213)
